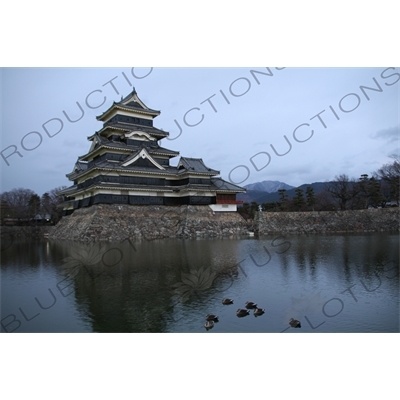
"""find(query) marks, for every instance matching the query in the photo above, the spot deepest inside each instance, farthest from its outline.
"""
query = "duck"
(250, 304)
(294, 323)
(209, 325)
(259, 311)
(241, 312)
(212, 317)
(227, 301)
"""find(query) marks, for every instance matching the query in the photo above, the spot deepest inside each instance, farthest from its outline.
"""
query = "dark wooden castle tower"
(126, 165)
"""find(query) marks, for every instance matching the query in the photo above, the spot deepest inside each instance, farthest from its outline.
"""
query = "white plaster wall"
(223, 207)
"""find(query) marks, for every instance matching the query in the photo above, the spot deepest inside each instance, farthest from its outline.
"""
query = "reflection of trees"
(347, 256)
(32, 254)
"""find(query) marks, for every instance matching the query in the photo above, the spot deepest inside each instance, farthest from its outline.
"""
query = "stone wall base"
(119, 222)
(113, 222)
(373, 220)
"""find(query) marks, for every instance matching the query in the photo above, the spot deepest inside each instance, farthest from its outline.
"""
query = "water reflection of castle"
(126, 165)
(133, 290)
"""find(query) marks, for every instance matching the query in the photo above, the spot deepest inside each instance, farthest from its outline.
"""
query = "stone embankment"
(113, 222)
(372, 220)
(120, 222)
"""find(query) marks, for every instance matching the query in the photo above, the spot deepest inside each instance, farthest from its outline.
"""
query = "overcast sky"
(241, 139)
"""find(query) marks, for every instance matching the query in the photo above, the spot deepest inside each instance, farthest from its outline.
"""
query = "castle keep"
(126, 165)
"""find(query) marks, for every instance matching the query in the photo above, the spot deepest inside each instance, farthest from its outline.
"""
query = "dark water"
(331, 283)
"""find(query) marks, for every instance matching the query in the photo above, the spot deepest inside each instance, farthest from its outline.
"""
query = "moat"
(331, 283)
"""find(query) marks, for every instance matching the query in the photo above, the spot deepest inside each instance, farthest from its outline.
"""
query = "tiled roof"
(158, 188)
(169, 170)
(133, 167)
(162, 150)
(112, 185)
(68, 190)
(153, 148)
(220, 184)
(195, 165)
(135, 105)
(79, 167)
(135, 127)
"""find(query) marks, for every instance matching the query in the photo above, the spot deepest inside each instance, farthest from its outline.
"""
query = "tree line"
(343, 193)
(22, 206)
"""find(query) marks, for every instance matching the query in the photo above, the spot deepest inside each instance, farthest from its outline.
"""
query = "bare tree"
(339, 190)
(324, 202)
(24, 204)
(54, 200)
(342, 190)
(17, 201)
(390, 174)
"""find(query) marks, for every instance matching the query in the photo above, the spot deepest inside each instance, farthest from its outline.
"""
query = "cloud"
(390, 134)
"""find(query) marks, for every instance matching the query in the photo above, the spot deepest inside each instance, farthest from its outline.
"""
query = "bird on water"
(250, 304)
(242, 312)
(259, 311)
(227, 301)
(294, 323)
(209, 325)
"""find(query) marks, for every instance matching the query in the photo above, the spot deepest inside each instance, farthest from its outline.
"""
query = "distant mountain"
(250, 195)
(262, 197)
(268, 186)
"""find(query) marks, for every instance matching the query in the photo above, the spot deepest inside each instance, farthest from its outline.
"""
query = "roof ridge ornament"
(143, 153)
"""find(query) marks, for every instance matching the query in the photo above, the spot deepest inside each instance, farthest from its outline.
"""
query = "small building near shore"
(126, 165)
